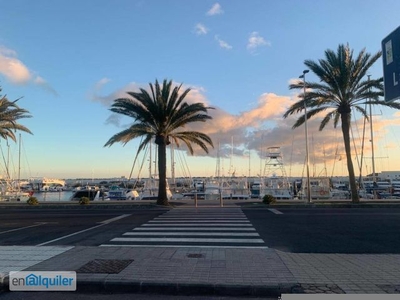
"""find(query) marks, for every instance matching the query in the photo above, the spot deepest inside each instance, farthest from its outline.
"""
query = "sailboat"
(11, 190)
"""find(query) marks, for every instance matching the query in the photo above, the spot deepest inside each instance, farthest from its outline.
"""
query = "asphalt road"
(329, 230)
(68, 227)
(315, 230)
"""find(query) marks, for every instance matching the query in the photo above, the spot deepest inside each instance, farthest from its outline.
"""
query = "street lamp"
(303, 76)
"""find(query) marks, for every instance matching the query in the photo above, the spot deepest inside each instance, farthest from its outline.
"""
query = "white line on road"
(21, 228)
(114, 219)
(194, 233)
(199, 221)
(87, 229)
(185, 246)
(193, 228)
(200, 225)
(192, 240)
(200, 218)
(275, 211)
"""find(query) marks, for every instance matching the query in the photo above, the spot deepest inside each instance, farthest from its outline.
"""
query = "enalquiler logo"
(42, 281)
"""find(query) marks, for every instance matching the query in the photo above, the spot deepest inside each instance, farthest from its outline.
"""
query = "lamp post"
(303, 76)
(372, 145)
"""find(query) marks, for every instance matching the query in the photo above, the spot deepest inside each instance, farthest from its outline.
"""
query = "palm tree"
(161, 115)
(10, 113)
(343, 86)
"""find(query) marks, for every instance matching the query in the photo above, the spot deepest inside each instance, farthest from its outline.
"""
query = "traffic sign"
(391, 65)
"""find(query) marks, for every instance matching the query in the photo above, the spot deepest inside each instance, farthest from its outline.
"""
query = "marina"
(322, 188)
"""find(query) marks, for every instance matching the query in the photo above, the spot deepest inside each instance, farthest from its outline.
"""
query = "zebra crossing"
(194, 227)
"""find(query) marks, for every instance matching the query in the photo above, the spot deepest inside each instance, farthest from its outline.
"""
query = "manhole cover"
(109, 266)
(195, 255)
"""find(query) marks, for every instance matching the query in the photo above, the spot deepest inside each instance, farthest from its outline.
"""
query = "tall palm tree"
(343, 86)
(10, 113)
(161, 114)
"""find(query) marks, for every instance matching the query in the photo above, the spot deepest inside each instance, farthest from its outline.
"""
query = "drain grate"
(195, 255)
(109, 266)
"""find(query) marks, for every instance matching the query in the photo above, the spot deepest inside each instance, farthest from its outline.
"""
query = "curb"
(166, 288)
(321, 205)
(76, 206)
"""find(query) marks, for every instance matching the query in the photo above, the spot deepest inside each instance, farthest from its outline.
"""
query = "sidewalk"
(217, 271)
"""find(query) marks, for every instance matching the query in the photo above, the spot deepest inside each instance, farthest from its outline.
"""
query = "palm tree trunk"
(346, 137)
(162, 173)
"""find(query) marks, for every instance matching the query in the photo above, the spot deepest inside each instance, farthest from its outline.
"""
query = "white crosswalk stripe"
(203, 227)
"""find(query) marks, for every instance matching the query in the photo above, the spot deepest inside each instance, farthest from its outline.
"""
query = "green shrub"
(32, 201)
(84, 201)
(269, 199)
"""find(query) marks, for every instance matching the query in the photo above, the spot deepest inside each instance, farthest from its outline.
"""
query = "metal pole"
(195, 199)
(19, 164)
(372, 144)
(306, 130)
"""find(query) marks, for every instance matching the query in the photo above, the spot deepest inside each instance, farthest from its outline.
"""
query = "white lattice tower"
(274, 164)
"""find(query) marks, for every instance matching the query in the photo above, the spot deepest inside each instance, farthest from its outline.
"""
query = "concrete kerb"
(165, 288)
(112, 286)
(251, 203)
(321, 205)
(4, 283)
(76, 206)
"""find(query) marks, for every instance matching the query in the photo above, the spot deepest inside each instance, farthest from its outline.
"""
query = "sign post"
(391, 65)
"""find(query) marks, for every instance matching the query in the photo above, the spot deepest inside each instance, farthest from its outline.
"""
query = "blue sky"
(70, 59)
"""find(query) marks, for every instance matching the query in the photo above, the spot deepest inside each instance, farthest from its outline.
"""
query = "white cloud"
(200, 29)
(215, 10)
(12, 68)
(107, 100)
(260, 127)
(222, 43)
(255, 41)
(17, 72)
(44, 84)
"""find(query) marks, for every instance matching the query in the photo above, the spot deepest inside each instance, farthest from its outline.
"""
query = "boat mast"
(172, 163)
(150, 162)
(19, 164)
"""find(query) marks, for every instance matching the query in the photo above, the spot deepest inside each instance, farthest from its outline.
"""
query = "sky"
(68, 61)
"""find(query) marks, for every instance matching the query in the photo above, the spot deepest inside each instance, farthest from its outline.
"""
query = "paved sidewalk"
(218, 271)
(350, 273)
(18, 258)
(179, 270)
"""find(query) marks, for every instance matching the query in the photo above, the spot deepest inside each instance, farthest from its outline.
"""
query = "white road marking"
(199, 221)
(181, 229)
(193, 228)
(114, 219)
(200, 218)
(275, 211)
(87, 229)
(22, 228)
(193, 233)
(185, 246)
(200, 225)
(192, 240)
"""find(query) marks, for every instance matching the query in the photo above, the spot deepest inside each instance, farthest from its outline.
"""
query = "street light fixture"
(303, 76)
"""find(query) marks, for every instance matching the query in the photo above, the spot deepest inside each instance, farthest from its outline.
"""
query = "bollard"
(221, 201)
(195, 199)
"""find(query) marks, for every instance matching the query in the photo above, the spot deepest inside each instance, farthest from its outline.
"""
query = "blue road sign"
(391, 65)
